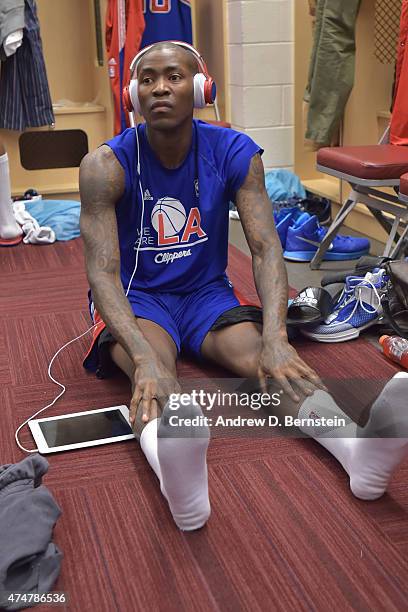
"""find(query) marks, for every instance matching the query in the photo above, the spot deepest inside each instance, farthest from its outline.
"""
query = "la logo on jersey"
(173, 226)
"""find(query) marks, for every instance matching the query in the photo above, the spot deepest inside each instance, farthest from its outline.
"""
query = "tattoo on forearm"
(255, 210)
(101, 185)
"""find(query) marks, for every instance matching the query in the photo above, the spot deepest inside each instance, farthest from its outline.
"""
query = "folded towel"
(34, 233)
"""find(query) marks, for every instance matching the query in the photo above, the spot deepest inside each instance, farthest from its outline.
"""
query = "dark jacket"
(29, 560)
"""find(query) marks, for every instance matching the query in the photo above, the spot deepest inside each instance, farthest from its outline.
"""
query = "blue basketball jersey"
(184, 242)
(167, 20)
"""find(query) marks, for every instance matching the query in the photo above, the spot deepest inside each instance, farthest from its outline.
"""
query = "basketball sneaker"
(284, 218)
(313, 205)
(358, 307)
(304, 238)
(321, 207)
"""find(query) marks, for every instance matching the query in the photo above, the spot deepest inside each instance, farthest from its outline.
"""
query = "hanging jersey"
(184, 241)
(25, 99)
(167, 20)
(124, 30)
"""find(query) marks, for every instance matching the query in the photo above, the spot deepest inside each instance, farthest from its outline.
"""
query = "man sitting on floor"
(154, 222)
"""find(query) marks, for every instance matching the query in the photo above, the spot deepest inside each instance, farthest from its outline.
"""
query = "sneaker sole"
(9, 242)
(350, 334)
(326, 221)
(329, 256)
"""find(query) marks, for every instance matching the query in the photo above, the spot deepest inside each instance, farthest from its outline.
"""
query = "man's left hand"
(280, 361)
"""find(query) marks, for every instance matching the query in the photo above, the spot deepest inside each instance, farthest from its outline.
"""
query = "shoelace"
(359, 301)
(322, 233)
(347, 293)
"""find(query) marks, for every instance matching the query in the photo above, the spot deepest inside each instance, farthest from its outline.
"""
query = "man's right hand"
(153, 384)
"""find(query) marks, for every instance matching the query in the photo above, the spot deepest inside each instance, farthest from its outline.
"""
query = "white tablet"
(81, 429)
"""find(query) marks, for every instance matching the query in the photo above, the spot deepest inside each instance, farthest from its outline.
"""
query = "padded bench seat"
(372, 162)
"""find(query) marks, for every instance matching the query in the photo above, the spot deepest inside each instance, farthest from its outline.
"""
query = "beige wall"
(69, 41)
(261, 43)
(68, 53)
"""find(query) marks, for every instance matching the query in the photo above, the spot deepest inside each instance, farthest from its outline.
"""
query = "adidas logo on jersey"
(147, 195)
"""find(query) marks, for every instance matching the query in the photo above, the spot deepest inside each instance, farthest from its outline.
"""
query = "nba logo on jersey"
(169, 217)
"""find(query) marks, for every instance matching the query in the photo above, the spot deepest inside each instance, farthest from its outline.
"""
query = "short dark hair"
(192, 60)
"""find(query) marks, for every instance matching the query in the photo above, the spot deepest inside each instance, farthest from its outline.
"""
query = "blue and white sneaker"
(358, 307)
(304, 238)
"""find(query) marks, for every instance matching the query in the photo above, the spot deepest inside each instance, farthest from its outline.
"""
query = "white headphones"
(204, 86)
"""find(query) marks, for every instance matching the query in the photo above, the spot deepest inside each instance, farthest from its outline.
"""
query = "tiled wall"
(261, 74)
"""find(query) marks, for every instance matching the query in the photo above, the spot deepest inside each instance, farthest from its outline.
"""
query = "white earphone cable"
(139, 242)
(58, 396)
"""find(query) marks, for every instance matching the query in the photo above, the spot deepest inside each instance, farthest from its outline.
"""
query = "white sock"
(9, 228)
(178, 456)
(336, 439)
(148, 444)
(370, 454)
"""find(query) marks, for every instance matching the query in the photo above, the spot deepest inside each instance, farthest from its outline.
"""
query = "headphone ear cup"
(133, 95)
(210, 90)
(204, 90)
(127, 102)
(199, 90)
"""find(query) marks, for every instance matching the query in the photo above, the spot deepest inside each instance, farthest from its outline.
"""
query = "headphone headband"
(179, 43)
(205, 90)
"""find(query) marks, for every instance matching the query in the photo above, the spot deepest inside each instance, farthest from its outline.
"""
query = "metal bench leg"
(391, 237)
(385, 223)
(398, 250)
(333, 229)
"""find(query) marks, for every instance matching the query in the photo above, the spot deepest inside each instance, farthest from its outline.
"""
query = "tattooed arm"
(102, 182)
(278, 359)
(271, 279)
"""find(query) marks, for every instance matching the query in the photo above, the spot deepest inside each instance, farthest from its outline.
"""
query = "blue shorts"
(187, 318)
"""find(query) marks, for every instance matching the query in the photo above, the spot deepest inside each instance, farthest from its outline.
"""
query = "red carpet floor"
(285, 532)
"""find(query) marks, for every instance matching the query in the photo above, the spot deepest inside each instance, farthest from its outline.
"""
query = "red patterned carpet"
(285, 532)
